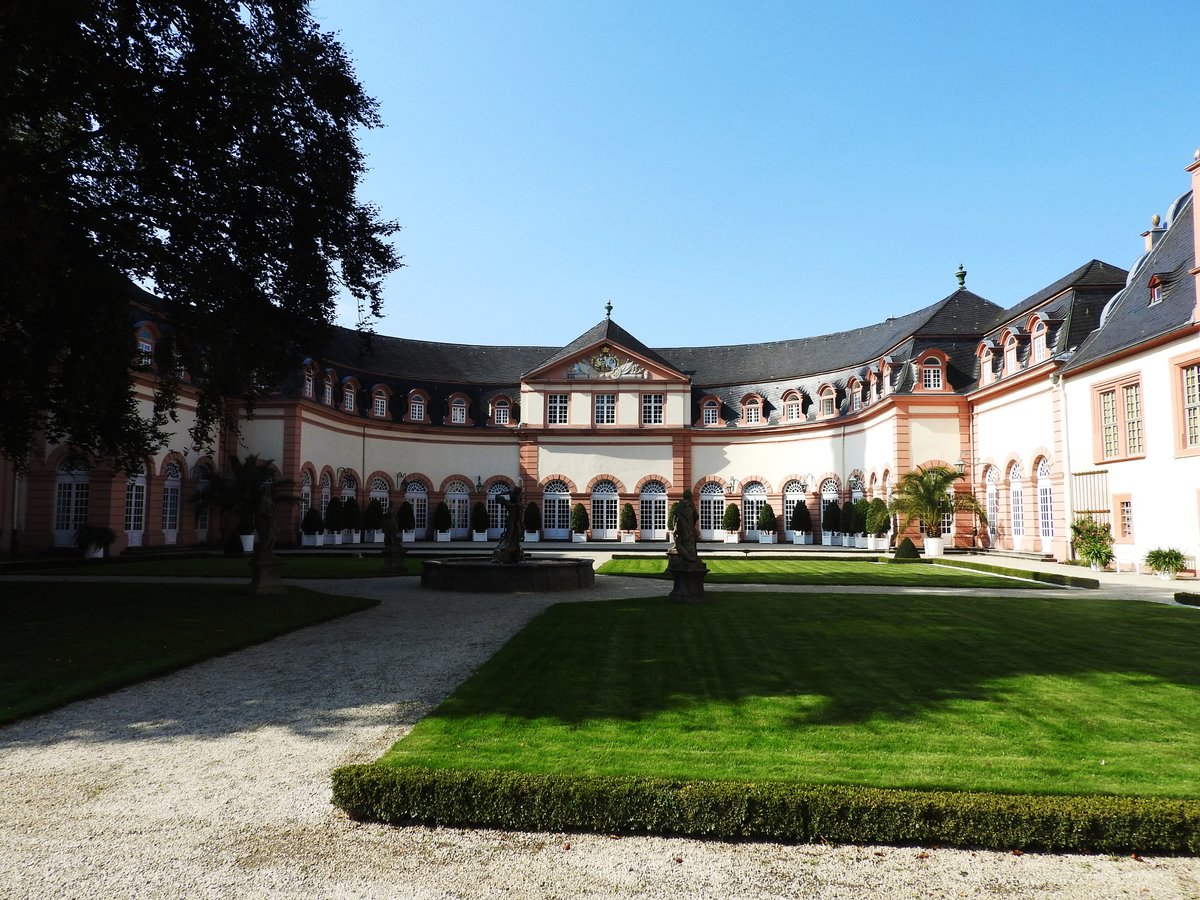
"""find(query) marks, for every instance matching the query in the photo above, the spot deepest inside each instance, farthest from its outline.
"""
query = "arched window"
(604, 510)
(792, 408)
(856, 488)
(309, 383)
(712, 508)
(1040, 351)
(1016, 501)
(1045, 504)
(135, 509)
(417, 404)
(1010, 355)
(305, 504)
(754, 498)
(327, 391)
(931, 374)
(752, 410)
(652, 511)
(72, 489)
(556, 510)
(418, 496)
(854, 389)
(379, 404)
(827, 401)
(792, 495)
(172, 485)
(458, 498)
(349, 486)
(381, 492)
(497, 511)
(991, 496)
(710, 411)
(145, 348)
(829, 495)
(500, 410)
(348, 391)
(458, 411)
(326, 491)
(987, 367)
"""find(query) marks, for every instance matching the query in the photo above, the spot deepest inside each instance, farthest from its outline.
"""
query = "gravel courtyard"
(214, 782)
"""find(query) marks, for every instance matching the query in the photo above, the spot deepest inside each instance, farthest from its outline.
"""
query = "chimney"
(1194, 169)
(1156, 231)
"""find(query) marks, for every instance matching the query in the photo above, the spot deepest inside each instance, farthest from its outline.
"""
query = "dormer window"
(986, 370)
(792, 408)
(1010, 355)
(417, 402)
(309, 384)
(1040, 350)
(854, 389)
(1155, 291)
(348, 398)
(826, 399)
(379, 406)
(145, 349)
(500, 410)
(710, 412)
(327, 392)
(752, 410)
(931, 374)
(458, 411)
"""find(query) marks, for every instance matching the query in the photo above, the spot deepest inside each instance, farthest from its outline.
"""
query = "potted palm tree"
(441, 522)
(352, 518)
(580, 523)
(533, 523)
(311, 527)
(479, 522)
(801, 523)
(1092, 541)
(732, 523)
(831, 521)
(927, 494)
(372, 521)
(335, 521)
(1167, 562)
(628, 524)
(767, 525)
(406, 522)
(239, 491)
(94, 540)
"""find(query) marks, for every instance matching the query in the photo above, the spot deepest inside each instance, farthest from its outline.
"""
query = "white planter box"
(860, 541)
(408, 537)
(333, 538)
(478, 537)
(1166, 576)
(577, 538)
(827, 538)
(247, 542)
(93, 551)
(934, 547)
(767, 538)
(201, 535)
(629, 538)
(310, 540)
(349, 537)
(442, 537)
(733, 537)
(533, 537)
(801, 537)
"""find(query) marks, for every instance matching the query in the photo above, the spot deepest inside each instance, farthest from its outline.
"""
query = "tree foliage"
(205, 150)
(926, 493)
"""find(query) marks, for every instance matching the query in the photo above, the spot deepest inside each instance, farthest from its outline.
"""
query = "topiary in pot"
(731, 521)
(406, 519)
(373, 515)
(628, 521)
(879, 519)
(352, 515)
(311, 523)
(848, 517)
(335, 518)
(906, 549)
(94, 536)
(862, 506)
(801, 518)
(831, 519)
(479, 516)
(766, 519)
(533, 517)
(671, 516)
(441, 516)
(580, 522)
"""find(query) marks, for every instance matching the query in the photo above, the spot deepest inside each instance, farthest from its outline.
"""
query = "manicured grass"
(1064, 696)
(60, 643)
(821, 572)
(369, 566)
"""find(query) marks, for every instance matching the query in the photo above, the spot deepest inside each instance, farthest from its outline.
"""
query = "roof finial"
(1155, 220)
(961, 275)
(608, 310)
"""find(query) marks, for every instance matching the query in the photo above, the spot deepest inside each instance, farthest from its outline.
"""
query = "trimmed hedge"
(1044, 577)
(766, 811)
(906, 549)
(1187, 598)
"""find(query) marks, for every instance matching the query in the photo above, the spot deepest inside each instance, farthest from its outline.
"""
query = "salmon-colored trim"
(1115, 386)
(1153, 343)
(1119, 535)
(558, 477)
(424, 396)
(605, 477)
(1178, 364)
(943, 359)
(646, 479)
(699, 423)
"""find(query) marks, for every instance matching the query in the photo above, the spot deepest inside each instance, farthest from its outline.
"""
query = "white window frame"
(652, 408)
(558, 409)
(604, 409)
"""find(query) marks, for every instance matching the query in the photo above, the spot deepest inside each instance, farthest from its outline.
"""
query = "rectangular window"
(791, 410)
(931, 378)
(416, 409)
(170, 509)
(856, 400)
(710, 414)
(348, 400)
(380, 405)
(458, 414)
(308, 384)
(1118, 410)
(145, 352)
(652, 409)
(327, 395)
(1126, 519)
(827, 406)
(500, 415)
(1187, 406)
(605, 409)
(1039, 346)
(753, 414)
(556, 409)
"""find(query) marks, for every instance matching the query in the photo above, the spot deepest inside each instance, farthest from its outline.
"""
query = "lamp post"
(960, 466)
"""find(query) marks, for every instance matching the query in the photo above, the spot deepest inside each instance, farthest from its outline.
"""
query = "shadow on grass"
(853, 657)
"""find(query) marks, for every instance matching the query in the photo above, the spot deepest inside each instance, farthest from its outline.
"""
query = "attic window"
(500, 411)
(710, 412)
(791, 407)
(827, 398)
(986, 372)
(348, 398)
(931, 374)
(752, 410)
(1039, 342)
(855, 396)
(379, 408)
(1155, 291)
(327, 392)
(1010, 356)
(145, 349)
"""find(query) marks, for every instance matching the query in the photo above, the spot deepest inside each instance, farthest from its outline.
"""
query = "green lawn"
(821, 572)
(61, 643)
(1064, 696)
(369, 566)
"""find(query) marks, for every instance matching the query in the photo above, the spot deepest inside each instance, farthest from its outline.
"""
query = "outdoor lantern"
(960, 466)
(479, 483)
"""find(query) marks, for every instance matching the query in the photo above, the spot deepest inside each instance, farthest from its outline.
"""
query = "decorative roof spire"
(961, 275)
(608, 310)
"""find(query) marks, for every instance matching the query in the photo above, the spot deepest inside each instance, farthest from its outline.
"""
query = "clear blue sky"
(732, 172)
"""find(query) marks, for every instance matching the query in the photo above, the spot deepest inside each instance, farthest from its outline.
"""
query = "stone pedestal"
(689, 582)
(267, 576)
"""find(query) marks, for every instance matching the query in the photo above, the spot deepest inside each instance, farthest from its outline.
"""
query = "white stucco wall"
(629, 460)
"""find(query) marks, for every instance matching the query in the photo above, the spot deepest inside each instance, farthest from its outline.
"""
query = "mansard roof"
(1094, 275)
(605, 331)
(1129, 319)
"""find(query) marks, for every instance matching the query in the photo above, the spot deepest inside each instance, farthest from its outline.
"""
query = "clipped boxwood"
(1187, 598)
(779, 811)
(731, 519)
(533, 517)
(906, 549)
(1044, 577)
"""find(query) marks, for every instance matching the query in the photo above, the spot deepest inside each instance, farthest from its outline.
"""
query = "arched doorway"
(135, 509)
(792, 497)
(652, 511)
(72, 490)
(1045, 494)
(497, 511)
(754, 498)
(418, 497)
(1016, 505)
(172, 484)
(458, 498)
(712, 509)
(829, 494)
(604, 511)
(556, 511)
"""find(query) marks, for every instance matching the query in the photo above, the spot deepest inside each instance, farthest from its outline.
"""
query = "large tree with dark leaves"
(207, 150)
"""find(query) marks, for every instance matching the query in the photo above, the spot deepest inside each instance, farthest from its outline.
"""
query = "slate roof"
(1094, 274)
(1129, 319)
(605, 330)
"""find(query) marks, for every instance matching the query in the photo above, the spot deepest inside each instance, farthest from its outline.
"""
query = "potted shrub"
(406, 521)
(533, 523)
(628, 524)
(801, 524)
(372, 521)
(926, 493)
(351, 520)
(580, 523)
(1092, 542)
(831, 521)
(441, 522)
(94, 540)
(335, 521)
(1167, 562)
(767, 525)
(862, 506)
(311, 527)
(479, 521)
(848, 527)
(732, 523)
(878, 522)
(239, 491)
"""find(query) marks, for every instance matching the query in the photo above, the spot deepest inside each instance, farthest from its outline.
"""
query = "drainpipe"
(1068, 497)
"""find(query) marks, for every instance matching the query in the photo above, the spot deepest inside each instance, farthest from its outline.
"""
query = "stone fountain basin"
(537, 576)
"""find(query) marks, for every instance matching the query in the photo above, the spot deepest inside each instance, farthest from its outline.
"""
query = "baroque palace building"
(1083, 398)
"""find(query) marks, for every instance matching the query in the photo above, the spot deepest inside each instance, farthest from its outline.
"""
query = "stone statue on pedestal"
(683, 562)
(509, 551)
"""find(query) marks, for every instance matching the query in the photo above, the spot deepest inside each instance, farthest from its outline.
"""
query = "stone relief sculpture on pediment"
(605, 364)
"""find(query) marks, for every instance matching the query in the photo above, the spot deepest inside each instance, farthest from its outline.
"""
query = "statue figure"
(265, 522)
(393, 547)
(683, 537)
(509, 550)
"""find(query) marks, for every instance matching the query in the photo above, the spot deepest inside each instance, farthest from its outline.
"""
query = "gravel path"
(214, 782)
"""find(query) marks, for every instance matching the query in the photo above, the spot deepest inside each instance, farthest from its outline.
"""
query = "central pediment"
(605, 353)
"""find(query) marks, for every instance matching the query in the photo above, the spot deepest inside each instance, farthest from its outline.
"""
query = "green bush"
(373, 515)
(849, 516)
(861, 508)
(777, 811)
(533, 517)
(352, 514)
(906, 549)
(406, 519)
(1092, 541)
(441, 516)
(579, 519)
(766, 519)
(1187, 598)
(732, 519)
(801, 517)
(831, 517)
(335, 519)
(628, 520)
(1167, 560)
(878, 519)
(1045, 577)
(311, 523)
(479, 516)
